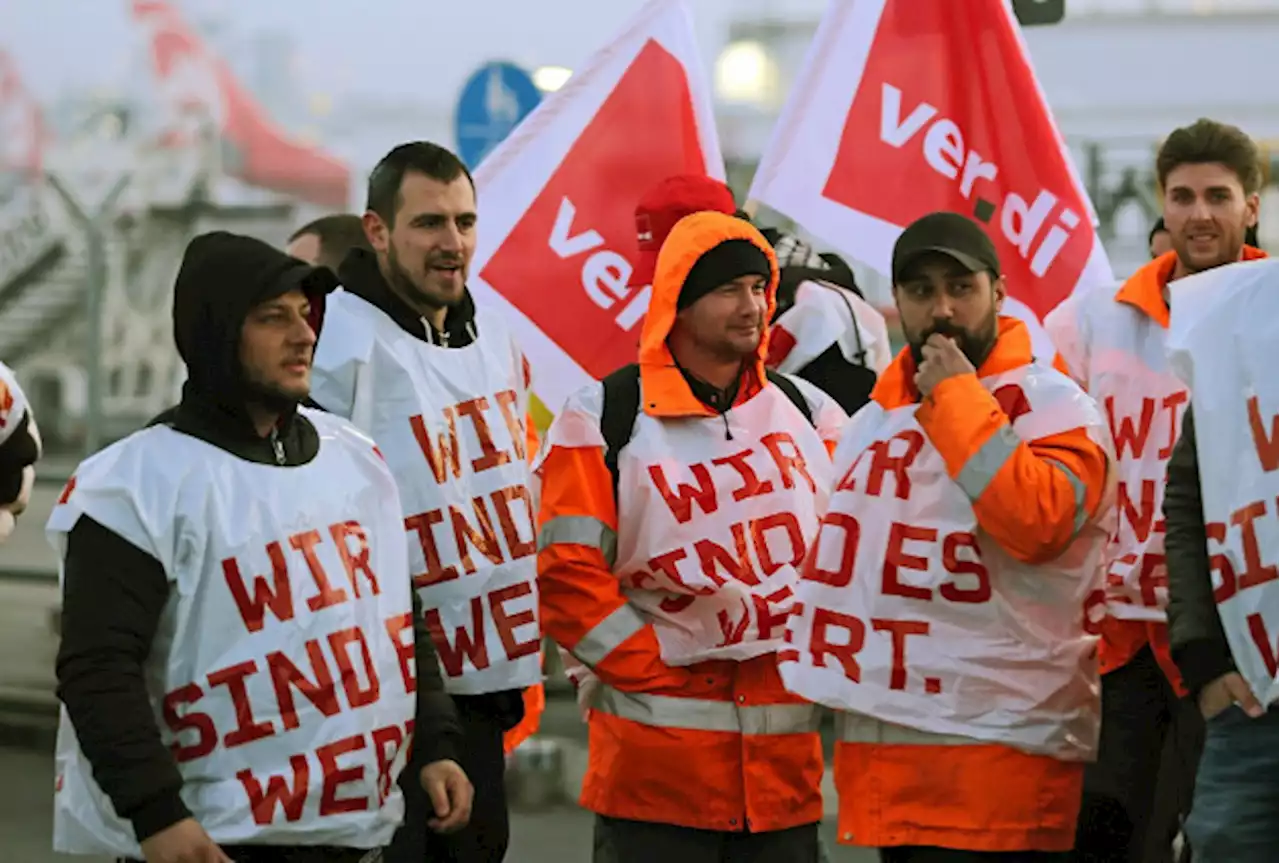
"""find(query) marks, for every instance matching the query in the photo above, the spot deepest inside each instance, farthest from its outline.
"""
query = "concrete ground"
(559, 834)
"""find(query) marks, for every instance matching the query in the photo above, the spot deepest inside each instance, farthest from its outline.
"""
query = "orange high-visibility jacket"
(922, 789)
(718, 745)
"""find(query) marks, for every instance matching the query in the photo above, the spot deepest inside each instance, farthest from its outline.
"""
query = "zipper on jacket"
(728, 435)
(277, 447)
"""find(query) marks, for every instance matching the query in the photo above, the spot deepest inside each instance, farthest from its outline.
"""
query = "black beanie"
(721, 265)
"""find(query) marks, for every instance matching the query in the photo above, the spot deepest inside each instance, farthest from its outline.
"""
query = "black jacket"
(114, 593)
(360, 276)
(1196, 638)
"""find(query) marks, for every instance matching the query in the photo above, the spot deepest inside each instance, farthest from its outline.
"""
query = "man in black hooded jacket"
(140, 526)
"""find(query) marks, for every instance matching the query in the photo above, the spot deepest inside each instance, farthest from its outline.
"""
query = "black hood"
(222, 277)
(361, 276)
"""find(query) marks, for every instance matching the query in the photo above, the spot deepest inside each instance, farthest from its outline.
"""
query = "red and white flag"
(557, 238)
(906, 107)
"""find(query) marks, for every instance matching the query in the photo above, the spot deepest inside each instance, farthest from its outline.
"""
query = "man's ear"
(1001, 289)
(376, 231)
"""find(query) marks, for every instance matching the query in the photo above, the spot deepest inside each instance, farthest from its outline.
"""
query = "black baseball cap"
(951, 234)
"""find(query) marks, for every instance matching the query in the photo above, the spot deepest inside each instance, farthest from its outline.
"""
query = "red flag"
(906, 107)
(557, 198)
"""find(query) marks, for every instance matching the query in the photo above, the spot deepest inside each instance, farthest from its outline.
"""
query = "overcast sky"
(397, 47)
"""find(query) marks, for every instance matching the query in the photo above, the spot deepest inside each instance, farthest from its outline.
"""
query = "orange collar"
(896, 386)
(1144, 290)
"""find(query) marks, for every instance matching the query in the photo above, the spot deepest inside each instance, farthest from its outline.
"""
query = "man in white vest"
(1112, 339)
(1220, 508)
(238, 653)
(441, 387)
(679, 496)
(945, 609)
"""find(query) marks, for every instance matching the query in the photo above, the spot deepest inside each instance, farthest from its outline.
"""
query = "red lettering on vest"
(681, 501)
(422, 525)
(386, 745)
(896, 558)
(733, 631)
(247, 728)
(507, 401)
(357, 560)
(358, 694)
(275, 595)
(845, 650)
(200, 723)
(306, 543)
(335, 777)
(979, 590)
(1255, 573)
(751, 486)
(1171, 404)
(884, 462)
(502, 500)
(290, 797)
(468, 644)
(1142, 518)
(851, 533)
(1127, 432)
(787, 522)
(285, 676)
(475, 533)
(481, 538)
(1013, 401)
(490, 455)
(898, 631)
(790, 463)
(442, 456)
(1262, 641)
(773, 612)
(67, 490)
(507, 623)
(1267, 445)
(712, 556)
(397, 626)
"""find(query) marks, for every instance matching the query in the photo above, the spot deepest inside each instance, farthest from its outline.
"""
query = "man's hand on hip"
(1227, 690)
(182, 842)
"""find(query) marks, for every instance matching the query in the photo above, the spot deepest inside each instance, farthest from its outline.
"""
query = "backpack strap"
(791, 391)
(618, 415)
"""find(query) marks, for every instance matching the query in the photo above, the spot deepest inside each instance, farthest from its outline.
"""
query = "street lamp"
(548, 79)
(745, 73)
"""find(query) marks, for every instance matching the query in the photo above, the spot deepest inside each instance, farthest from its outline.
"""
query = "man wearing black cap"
(238, 651)
(969, 522)
(678, 499)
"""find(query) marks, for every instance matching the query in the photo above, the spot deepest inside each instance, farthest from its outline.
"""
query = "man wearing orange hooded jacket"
(1113, 342)
(673, 578)
(943, 609)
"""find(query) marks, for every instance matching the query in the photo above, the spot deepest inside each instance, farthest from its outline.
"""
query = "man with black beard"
(441, 387)
(972, 509)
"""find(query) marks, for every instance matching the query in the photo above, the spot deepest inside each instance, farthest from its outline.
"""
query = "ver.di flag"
(905, 107)
(557, 198)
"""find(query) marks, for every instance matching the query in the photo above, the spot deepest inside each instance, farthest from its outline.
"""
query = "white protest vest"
(715, 515)
(281, 669)
(1118, 352)
(911, 615)
(1223, 341)
(451, 423)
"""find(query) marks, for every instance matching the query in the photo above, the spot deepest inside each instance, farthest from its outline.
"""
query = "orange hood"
(666, 393)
